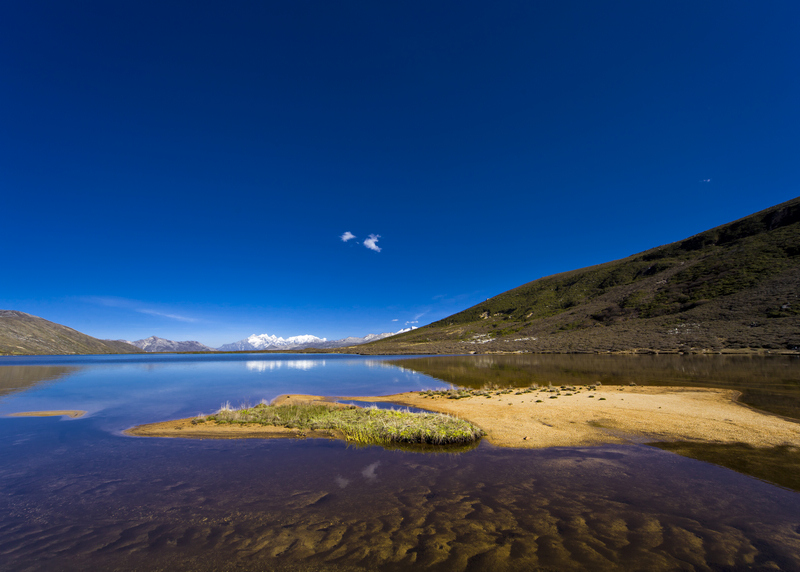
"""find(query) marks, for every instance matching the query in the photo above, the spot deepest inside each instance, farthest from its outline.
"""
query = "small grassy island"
(366, 425)
(703, 423)
(317, 418)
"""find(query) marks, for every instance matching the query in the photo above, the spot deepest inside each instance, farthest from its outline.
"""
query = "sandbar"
(74, 413)
(615, 414)
(609, 414)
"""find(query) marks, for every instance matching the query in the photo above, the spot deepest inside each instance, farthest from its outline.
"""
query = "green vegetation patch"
(364, 425)
(564, 312)
(779, 465)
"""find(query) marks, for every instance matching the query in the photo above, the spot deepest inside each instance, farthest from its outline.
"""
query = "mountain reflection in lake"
(78, 495)
(771, 383)
(15, 378)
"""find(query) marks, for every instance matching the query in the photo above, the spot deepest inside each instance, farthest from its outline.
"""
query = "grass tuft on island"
(363, 425)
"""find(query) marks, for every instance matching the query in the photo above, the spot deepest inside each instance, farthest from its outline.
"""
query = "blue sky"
(187, 169)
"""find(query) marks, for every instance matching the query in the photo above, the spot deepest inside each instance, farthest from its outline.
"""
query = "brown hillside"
(731, 288)
(23, 334)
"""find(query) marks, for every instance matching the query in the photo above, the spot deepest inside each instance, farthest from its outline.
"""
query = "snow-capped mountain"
(271, 342)
(154, 344)
(352, 341)
(268, 342)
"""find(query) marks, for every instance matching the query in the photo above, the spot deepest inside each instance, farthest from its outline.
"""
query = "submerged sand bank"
(608, 414)
(74, 413)
(614, 415)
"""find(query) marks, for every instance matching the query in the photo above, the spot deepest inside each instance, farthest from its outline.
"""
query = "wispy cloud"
(163, 315)
(134, 306)
(395, 320)
(415, 319)
(372, 241)
(705, 180)
(347, 236)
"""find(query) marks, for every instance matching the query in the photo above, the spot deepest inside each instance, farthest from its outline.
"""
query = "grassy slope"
(23, 334)
(731, 287)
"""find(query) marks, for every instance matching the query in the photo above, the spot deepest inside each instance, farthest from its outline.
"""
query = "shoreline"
(571, 418)
(615, 415)
(354, 350)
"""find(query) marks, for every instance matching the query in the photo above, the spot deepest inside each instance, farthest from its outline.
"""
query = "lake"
(78, 494)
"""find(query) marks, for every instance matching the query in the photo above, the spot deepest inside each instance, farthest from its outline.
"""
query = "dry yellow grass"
(185, 428)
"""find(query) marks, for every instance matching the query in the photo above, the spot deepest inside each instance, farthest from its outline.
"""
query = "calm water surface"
(77, 494)
(771, 383)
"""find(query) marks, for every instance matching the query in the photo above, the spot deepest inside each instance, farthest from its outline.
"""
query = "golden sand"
(625, 414)
(74, 413)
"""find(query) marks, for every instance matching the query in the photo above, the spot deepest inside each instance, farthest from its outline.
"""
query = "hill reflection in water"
(771, 383)
(15, 378)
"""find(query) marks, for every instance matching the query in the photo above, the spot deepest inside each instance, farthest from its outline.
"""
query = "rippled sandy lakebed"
(78, 494)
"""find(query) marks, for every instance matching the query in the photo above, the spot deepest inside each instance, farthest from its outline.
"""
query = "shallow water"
(77, 494)
(771, 383)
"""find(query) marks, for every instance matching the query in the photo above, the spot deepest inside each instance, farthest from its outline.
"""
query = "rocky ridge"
(155, 344)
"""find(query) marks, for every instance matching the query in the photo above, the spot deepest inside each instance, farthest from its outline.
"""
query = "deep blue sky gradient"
(185, 169)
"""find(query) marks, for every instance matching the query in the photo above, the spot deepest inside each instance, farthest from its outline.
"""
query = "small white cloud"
(369, 471)
(396, 319)
(371, 242)
(347, 236)
(412, 322)
(705, 181)
(341, 481)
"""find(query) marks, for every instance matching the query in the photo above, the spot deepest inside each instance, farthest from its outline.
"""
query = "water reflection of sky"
(79, 495)
(269, 365)
(121, 391)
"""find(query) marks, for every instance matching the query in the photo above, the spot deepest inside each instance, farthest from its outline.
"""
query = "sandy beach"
(609, 414)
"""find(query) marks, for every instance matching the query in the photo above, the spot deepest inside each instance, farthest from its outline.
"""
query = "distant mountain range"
(271, 342)
(734, 287)
(154, 344)
(23, 334)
